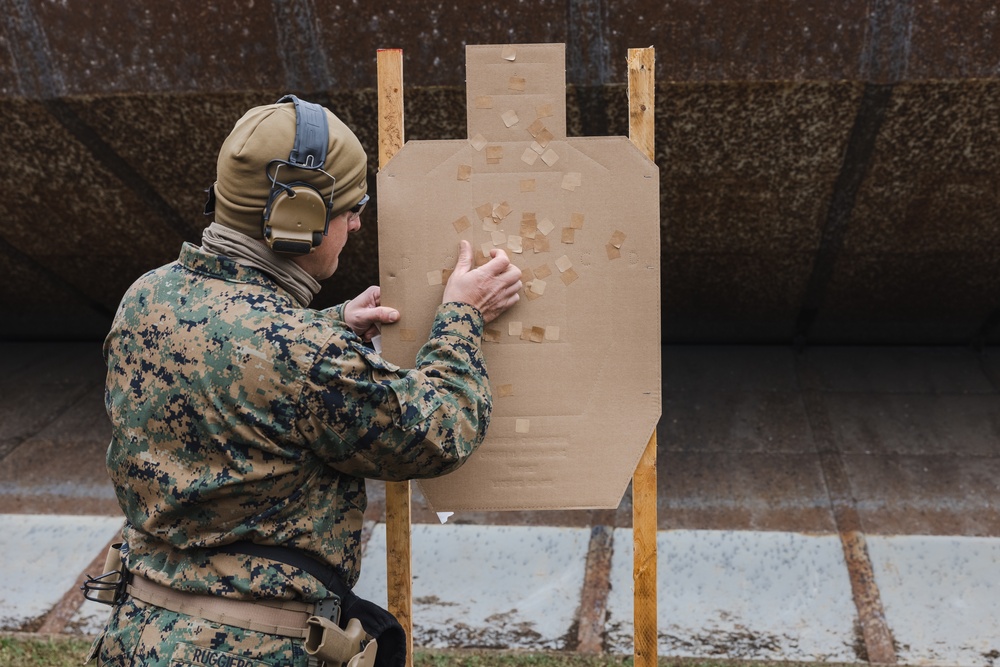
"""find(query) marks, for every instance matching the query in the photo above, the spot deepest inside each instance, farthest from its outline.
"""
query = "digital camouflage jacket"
(238, 415)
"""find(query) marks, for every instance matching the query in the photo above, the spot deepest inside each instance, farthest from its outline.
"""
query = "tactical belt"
(287, 618)
(327, 642)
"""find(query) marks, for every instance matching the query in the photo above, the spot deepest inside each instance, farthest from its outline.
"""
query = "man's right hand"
(492, 287)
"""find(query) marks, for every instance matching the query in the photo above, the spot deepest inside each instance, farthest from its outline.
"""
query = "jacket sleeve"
(368, 418)
(337, 312)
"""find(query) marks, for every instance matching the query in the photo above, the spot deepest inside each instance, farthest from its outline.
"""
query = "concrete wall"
(829, 170)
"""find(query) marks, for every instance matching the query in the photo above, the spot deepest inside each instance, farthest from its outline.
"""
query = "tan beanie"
(267, 133)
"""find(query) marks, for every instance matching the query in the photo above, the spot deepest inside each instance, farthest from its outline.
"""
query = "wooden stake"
(646, 637)
(641, 98)
(390, 104)
(398, 560)
(397, 494)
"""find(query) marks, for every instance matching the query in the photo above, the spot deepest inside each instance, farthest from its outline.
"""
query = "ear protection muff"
(297, 216)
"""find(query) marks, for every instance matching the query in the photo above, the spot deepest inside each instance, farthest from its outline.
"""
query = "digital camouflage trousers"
(150, 636)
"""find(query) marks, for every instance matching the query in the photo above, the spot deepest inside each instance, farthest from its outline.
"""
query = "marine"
(244, 422)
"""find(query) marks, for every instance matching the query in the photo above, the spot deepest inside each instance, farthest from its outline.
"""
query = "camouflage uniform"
(238, 415)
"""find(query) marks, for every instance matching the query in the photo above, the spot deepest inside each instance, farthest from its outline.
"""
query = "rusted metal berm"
(829, 170)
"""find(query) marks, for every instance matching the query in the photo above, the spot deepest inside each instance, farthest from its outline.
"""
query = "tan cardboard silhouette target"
(575, 365)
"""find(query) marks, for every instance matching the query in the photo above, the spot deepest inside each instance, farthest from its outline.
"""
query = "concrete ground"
(835, 504)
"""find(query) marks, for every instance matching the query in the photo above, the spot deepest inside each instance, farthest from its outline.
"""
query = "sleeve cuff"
(459, 319)
(337, 312)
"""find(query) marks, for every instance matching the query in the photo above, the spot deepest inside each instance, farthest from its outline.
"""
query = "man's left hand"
(365, 312)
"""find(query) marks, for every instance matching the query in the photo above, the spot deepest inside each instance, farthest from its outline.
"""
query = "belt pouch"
(111, 577)
(331, 644)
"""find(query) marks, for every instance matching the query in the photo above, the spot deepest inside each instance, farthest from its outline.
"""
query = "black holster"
(377, 622)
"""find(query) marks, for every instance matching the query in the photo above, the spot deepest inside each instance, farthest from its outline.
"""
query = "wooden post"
(390, 104)
(397, 494)
(641, 96)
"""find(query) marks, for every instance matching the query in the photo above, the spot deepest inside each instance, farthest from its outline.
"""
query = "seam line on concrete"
(876, 634)
(858, 154)
(885, 54)
(300, 44)
(62, 613)
(595, 590)
(589, 54)
(884, 59)
(588, 67)
(22, 28)
(118, 166)
(46, 82)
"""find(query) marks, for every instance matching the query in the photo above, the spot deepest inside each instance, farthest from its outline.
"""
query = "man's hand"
(364, 313)
(492, 287)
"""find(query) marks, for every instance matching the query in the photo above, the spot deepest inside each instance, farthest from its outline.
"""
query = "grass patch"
(35, 652)
(28, 651)
(499, 658)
